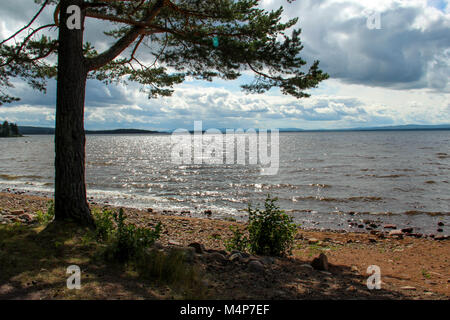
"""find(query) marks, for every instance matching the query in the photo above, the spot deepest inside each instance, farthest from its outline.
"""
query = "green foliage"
(180, 38)
(9, 129)
(104, 224)
(125, 242)
(238, 242)
(46, 217)
(270, 231)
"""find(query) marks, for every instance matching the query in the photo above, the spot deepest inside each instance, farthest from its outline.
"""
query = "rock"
(408, 288)
(307, 266)
(256, 266)
(354, 269)
(208, 212)
(313, 241)
(390, 226)
(320, 263)
(407, 230)
(267, 260)
(440, 238)
(440, 224)
(216, 256)
(372, 240)
(150, 210)
(17, 212)
(174, 243)
(440, 230)
(157, 245)
(199, 248)
(373, 225)
(395, 233)
(235, 257)
(27, 217)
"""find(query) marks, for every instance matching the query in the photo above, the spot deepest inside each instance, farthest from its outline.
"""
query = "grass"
(426, 274)
(34, 261)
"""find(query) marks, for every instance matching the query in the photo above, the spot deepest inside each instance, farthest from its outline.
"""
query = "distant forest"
(9, 130)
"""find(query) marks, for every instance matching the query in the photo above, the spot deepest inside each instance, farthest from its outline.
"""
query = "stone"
(216, 256)
(17, 212)
(390, 226)
(307, 266)
(150, 210)
(440, 224)
(174, 243)
(157, 245)
(440, 230)
(408, 288)
(440, 238)
(256, 266)
(208, 212)
(320, 263)
(27, 217)
(267, 260)
(313, 241)
(235, 257)
(198, 247)
(395, 233)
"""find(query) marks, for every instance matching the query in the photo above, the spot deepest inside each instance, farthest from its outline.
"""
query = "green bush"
(104, 224)
(46, 217)
(270, 231)
(238, 242)
(125, 241)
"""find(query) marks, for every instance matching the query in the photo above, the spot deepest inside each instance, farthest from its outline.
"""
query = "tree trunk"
(70, 187)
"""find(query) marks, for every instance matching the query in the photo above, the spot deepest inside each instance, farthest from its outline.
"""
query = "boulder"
(17, 212)
(198, 247)
(390, 226)
(407, 230)
(256, 266)
(216, 256)
(320, 263)
(235, 257)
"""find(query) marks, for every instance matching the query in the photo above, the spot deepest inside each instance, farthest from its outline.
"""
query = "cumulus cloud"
(397, 74)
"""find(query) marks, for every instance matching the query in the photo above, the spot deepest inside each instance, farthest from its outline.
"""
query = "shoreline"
(358, 222)
(412, 268)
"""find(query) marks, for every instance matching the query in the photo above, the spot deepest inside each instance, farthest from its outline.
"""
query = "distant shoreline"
(29, 130)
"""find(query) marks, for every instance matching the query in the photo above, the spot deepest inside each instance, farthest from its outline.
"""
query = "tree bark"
(70, 187)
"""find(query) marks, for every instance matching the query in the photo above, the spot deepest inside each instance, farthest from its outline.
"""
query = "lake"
(325, 179)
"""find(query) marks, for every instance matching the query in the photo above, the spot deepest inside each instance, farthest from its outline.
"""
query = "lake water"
(324, 180)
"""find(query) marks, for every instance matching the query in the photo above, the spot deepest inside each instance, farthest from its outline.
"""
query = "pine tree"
(200, 39)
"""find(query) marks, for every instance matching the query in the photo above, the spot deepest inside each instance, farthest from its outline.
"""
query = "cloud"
(410, 50)
(394, 75)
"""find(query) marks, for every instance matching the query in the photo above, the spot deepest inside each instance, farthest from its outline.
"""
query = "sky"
(388, 61)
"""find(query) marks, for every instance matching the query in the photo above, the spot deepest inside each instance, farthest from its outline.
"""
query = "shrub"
(46, 217)
(238, 242)
(127, 241)
(270, 231)
(104, 224)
